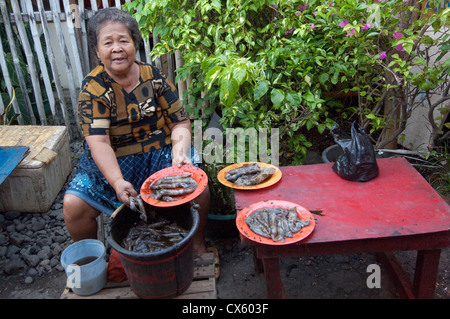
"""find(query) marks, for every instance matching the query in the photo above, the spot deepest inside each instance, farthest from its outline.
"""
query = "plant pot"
(331, 153)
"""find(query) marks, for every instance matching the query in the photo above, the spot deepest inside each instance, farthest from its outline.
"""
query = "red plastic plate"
(302, 212)
(196, 173)
(272, 180)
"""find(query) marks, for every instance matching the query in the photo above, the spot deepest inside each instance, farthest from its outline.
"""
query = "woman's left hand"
(180, 159)
(181, 143)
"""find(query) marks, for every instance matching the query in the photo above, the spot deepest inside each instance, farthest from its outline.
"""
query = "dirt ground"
(323, 277)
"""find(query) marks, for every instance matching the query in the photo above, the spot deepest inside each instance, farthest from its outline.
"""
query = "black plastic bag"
(358, 162)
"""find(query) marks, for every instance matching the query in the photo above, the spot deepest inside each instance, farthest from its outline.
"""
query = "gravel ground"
(31, 246)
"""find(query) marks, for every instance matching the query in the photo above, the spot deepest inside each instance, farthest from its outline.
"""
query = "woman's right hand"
(124, 190)
(104, 157)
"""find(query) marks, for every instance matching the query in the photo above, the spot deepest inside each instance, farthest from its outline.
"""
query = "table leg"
(257, 264)
(274, 285)
(425, 275)
(399, 275)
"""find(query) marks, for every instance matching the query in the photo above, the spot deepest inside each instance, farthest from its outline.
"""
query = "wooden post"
(181, 83)
(170, 68)
(391, 125)
(83, 35)
(158, 62)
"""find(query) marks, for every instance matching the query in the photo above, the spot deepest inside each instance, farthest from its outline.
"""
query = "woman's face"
(115, 48)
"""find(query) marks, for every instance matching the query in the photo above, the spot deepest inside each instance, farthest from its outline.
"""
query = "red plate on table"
(272, 180)
(197, 174)
(302, 212)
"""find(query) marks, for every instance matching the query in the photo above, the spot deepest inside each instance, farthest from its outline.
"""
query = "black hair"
(112, 14)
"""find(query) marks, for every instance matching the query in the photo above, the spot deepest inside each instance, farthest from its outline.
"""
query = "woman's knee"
(74, 209)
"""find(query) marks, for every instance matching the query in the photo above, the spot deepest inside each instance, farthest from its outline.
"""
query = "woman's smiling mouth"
(119, 60)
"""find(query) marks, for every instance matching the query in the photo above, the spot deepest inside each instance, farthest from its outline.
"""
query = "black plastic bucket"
(163, 274)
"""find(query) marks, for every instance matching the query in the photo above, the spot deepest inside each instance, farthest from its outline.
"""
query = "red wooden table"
(396, 211)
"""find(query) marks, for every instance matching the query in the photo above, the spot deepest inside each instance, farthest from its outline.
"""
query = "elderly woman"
(134, 125)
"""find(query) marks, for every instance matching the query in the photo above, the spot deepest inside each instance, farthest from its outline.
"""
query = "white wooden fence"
(59, 79)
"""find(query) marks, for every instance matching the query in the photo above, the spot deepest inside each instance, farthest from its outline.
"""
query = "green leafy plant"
(267, 63)
(4, 116)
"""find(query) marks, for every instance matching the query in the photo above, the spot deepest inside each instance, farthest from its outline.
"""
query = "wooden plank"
(204, 272)
(201, 289)
(147, 50)
(28, 8)
(30, 61)
(203, 285)
(53, 65)
(47, 14)
(170, 68)
(94, 5)
(181, 83)
(117, 293)
(68, 64)
(158, 62)
(82, 18)
(74, 40)
(204, 259)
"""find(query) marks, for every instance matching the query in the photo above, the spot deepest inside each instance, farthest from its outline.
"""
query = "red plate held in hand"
(196, 174)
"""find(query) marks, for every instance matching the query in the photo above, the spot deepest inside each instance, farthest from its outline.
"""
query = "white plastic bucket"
(85, 279)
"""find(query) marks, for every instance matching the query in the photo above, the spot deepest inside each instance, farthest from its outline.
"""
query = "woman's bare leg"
(80, 218)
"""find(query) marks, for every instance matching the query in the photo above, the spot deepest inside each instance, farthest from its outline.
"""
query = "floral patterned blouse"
(137, 121)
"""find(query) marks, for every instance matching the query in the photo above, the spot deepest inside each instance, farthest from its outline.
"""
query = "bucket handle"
(117, 210)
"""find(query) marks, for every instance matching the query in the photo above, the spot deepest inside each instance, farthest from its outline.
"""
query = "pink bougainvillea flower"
(352, 32)
(303, 8)
(288, 31)
(397, 35)
(312, 26)
(343, 23)
(382, 55)
(399, 47)
(366, 26)
(297, 13)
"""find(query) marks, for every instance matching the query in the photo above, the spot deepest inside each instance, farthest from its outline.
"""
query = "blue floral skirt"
(90, 185)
